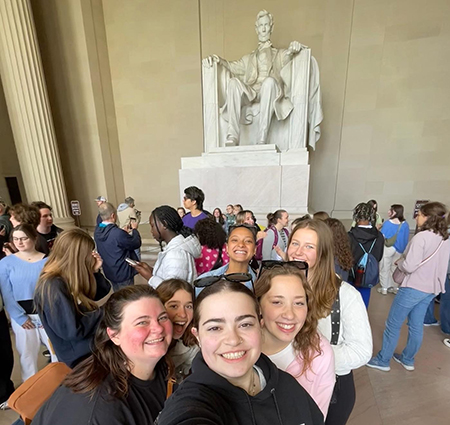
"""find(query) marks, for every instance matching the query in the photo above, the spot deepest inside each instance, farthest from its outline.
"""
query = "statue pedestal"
(259, 177)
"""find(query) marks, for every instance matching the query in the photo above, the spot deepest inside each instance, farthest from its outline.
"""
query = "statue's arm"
(210, 60)
(294, 48)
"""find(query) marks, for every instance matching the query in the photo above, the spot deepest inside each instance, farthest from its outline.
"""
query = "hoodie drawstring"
(251, 408)
(272, 391)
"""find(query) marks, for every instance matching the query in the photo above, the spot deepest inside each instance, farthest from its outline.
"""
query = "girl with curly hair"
(290, 337)
(424, 264)
(343, 258)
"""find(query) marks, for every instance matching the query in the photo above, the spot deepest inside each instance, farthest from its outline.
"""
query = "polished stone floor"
(398, 397)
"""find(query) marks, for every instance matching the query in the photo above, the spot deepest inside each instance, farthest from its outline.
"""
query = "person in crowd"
(364, 237)
(19, 274)
(336, 302)
(126, 213)
(277, 235)
(115, 245)
(343, 257)
(299, 220)
(124, 381)
(69, 295)
(178, 298)
(5, 226)
(241, 247)
(46, 227)
(290, 337)
(220, 218)
(176, 261)
(229, 216)
(424, 264)
(232, 382)
(321, 215)
(193, 201)
(27, 214)
(212, 238)
(396, 235)
(247, 217)
(181, 212)
(6, 358)
(378, 220)
(99, 200)
(237, 209)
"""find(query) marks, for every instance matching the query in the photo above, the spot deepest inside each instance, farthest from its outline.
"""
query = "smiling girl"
(177, 297)
(232, 382)
(343, 319)
(124, 381)
(290, 336)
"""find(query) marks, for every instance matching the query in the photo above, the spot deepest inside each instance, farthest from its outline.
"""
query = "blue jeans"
(445, 307)
(408, 303)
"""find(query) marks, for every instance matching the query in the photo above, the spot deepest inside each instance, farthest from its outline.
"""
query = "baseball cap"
(100, 199)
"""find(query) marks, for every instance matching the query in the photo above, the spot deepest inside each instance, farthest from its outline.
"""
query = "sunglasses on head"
(270, 264)
(204, 282)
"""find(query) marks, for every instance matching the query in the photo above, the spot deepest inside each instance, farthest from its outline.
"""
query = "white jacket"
(354, 347)
(177, 260)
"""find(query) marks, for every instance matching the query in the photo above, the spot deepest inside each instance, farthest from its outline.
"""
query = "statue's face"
(263, 28)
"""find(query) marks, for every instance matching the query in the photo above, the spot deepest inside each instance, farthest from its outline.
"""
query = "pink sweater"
(208, 258)
(319, 380)
(430, 277)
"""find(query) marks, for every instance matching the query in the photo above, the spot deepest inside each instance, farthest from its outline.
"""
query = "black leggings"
(343, 400)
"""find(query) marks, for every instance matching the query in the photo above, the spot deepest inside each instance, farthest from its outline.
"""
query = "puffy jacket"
(177, 260)
(114, 245)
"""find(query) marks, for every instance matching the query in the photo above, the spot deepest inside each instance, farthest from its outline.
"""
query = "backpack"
(259, 244)
(367, 269)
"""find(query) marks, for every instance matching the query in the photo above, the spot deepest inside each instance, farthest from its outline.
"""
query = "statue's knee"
(233, 83)
(269, 82)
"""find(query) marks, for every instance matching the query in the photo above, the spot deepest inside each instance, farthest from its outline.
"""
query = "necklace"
(252, 390)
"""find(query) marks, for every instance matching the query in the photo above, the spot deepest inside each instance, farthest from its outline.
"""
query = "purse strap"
(432, 255)
(335, 320)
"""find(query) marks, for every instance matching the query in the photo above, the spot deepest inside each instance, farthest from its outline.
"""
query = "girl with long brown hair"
(343, 319)
(290, 337)
(69, 295)
(424, 265)
(124, 381)
(177, 297)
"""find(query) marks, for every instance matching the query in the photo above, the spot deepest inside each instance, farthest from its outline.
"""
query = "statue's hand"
(295, 47)
(209, 61)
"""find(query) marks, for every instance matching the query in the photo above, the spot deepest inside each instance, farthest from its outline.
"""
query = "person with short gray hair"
(126, 212)
(115, 245)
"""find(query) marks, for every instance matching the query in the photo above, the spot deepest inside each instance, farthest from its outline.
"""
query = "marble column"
(29, 109)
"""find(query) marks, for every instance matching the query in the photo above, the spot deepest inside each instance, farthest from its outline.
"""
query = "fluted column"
(29, 109)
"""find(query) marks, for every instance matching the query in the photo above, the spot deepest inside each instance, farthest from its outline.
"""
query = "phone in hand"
(131, 262)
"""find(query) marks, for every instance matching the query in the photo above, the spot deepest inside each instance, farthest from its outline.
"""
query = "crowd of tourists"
(239, 323)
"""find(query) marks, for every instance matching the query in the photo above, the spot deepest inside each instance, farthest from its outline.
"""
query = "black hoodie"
(365, 236)
(206, 398)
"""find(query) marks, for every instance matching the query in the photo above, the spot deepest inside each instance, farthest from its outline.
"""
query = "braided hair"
(364, 212)
(170, 218)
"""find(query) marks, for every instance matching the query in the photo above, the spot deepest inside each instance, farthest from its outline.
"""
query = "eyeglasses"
(270, 264)
(24, 239)
(204, 282)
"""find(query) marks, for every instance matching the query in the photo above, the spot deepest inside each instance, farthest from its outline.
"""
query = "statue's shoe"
(231, 143)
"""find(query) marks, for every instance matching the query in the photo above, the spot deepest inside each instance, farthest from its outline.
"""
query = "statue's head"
(264, 25)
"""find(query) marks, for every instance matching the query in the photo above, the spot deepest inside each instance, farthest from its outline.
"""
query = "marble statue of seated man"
(261, 77)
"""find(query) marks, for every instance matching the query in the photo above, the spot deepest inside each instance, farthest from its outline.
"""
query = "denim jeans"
(408, 303)
(445, 307)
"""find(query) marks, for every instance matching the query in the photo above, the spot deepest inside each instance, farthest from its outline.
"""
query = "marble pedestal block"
(260, 177)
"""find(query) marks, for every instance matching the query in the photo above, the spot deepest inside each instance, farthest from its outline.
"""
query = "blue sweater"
(18, 280)
(389, 229)
(71, 333)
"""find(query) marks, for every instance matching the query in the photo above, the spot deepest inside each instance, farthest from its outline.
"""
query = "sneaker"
(398, 359)
(432, 324)
(46, 353)
(4, 406)
(382, 291)
(446, 342)
(392, 290)
(374, 363)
